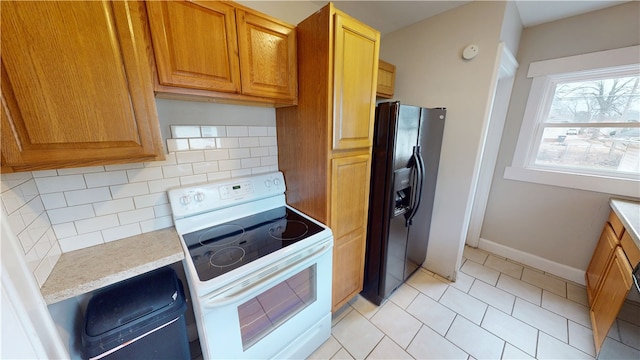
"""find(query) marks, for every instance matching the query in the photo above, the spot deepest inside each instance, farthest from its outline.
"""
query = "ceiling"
(388, 16)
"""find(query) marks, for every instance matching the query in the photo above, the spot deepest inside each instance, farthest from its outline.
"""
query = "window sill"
(622, 187)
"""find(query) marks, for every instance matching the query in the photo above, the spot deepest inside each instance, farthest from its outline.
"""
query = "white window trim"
(542, 72)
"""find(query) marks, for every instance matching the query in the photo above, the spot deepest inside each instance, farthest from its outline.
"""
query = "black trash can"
(138, 318)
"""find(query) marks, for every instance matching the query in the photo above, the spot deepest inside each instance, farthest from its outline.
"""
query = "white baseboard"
(546, 265)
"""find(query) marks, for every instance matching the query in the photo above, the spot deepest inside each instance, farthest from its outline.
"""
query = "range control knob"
(276, 182)
(185, 199)
(267, 183)
(199, 196)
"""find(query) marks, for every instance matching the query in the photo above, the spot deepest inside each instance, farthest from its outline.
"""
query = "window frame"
(545, 74)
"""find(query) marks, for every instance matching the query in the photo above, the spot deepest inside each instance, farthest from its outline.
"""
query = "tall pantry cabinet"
(324, 143)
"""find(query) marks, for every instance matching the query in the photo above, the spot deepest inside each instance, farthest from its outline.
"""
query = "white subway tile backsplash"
(189, 156)
(71, 213)
(121, 232)
(193, 179)
(259, 151)
(213, 131)
(55, 211)
(258, 131)
(241, 172)
(80, 241)
(169, 159)
(219, 175)
(250, 162)
(81, 170)
(65, 230)
(106, 178)
(53, 200)
(268, 160)
(229, 164)
(129, 166)
(87, 196)
(113, 206)
(246, 142)
(151, 200)
(177, 170)
(53, 184)
(42, 173)
(137, 215)
(145, 174)
(97, 223)
(237, 131)
(227, 143)
(129, 190)
(202, 143)
(239, 153)
(214, 155)
(174, 145)
(268, 141)
(156, 224)
(182, 131)
(163, 185)
(205, 167)
(162, 210)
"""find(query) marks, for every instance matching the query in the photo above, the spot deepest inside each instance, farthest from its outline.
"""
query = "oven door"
(282, 311)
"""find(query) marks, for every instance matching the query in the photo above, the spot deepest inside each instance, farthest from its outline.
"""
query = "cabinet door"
(386, 79)
(349, 204)
(355, 76)
(610, 297)
(602, 254)
(267, 56)
(195, 44)
(76, 85)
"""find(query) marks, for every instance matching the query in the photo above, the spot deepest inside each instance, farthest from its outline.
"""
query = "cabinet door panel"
(610, 296)
(71, 95)
(603, 253)
(386, 79)
(355, 77)
(349, 203)
(195, 44)
(267, 56)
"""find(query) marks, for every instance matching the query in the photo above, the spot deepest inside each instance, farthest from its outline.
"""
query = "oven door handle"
(259, 282)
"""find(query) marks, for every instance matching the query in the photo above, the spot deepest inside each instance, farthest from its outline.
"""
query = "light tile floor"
(497, 309)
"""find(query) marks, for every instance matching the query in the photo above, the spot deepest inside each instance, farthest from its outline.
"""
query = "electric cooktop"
(225, 247)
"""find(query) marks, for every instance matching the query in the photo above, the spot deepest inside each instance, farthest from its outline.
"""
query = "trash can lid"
(131, 299)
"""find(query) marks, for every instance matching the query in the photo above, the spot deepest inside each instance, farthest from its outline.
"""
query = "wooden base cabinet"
(77, 88)
(324, 143)
(609, 277)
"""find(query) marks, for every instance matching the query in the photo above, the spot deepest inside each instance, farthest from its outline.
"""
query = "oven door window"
(264, 313)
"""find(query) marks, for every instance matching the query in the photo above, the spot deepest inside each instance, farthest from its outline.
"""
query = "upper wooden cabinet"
(217, 49)
(324, 143)
(76, 85)
(386, 80)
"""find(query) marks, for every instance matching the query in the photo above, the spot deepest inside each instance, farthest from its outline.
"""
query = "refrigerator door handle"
(417, 197)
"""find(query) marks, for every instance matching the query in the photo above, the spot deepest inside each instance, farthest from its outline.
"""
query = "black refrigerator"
(404, 169)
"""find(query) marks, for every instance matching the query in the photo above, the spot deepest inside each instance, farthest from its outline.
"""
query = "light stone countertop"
(85, 270)
(629, 214)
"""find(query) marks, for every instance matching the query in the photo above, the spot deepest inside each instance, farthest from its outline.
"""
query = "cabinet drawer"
(616, 224)
(630, 249)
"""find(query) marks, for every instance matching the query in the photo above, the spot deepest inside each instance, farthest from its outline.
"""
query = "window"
(581, 126)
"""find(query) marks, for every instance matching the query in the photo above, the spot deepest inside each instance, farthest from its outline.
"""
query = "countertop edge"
(74, 273)
(631, 221)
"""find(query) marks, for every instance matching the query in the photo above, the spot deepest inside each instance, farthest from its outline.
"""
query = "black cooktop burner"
(220, 249)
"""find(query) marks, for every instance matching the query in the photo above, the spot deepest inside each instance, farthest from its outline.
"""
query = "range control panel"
(191, 200)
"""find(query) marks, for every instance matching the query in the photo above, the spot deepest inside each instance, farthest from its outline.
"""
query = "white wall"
(431, 73)
(553, 224)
